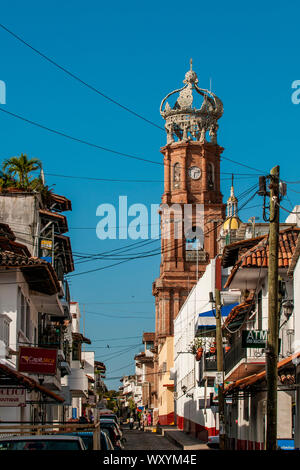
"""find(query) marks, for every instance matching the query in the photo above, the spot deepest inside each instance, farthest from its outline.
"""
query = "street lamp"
(287, 308)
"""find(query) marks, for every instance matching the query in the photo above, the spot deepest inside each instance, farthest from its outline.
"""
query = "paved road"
(139, 440)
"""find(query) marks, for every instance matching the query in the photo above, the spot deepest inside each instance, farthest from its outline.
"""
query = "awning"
(255, 378)
(207, 320)
(49, 304)
(9, 377)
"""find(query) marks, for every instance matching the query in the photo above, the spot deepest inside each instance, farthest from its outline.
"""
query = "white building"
(195, 411)
(82, 365)
(245, 366)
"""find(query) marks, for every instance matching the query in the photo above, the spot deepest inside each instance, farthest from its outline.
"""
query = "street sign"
(254, 338)
(219, 378)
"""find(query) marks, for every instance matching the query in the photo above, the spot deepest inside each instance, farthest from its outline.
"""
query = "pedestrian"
(131, 421)
(139, 419)
(83, 420)
(149, 419)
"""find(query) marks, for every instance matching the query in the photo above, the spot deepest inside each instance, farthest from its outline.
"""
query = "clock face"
(194, 172)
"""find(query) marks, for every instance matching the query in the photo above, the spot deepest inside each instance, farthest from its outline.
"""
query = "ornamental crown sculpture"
(188, 123)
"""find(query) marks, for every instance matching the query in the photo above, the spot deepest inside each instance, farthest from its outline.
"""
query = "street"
(140, 440)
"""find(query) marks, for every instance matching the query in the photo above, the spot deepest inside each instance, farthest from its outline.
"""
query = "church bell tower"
(191, 180)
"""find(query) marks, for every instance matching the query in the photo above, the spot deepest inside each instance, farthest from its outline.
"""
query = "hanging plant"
(197, 345)
(199, 353)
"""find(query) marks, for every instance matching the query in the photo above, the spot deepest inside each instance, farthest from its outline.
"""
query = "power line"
(75, 139)
(71, 74)
(119, 180)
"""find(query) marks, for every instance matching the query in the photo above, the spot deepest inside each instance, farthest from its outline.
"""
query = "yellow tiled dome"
(231, 223)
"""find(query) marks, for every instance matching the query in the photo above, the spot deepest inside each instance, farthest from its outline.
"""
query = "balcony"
(240, 362)
(207, 367)
(50, 338)
(77, 382)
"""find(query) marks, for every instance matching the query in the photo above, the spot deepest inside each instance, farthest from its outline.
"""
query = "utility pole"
(273, 313)
(220, 367)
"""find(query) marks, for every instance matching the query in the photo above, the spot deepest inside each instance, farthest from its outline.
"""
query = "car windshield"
(51, 444)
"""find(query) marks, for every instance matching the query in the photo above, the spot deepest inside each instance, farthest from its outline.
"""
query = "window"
(195, 239)
(176, 175)
(76, 351)
(210, 176)
(24, 311)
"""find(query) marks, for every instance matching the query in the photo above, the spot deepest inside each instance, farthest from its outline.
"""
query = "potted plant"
(197, 347)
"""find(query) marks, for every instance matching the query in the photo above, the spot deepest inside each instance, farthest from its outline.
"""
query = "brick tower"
(191, 176)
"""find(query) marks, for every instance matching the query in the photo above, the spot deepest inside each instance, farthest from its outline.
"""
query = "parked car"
(111, 420)
(213, 442)
(44, 442)
(110, 416)
(87, 437)
(114, 434)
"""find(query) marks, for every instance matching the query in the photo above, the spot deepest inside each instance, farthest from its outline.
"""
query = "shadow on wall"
(189, 424)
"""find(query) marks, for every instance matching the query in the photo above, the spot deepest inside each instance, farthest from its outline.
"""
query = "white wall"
(185, 365)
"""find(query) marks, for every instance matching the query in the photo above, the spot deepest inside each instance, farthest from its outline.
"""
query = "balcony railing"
(210, 364)
(50, 337)
(237, 354)
(234, 355)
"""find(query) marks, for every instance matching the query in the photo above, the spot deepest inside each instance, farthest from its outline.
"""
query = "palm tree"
(21, 167)
(6, 180)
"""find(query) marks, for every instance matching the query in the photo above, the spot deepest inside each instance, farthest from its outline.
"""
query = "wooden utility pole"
(273, 313)
(220, 367)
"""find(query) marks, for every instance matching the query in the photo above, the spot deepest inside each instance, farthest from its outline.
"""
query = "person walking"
(131, 421)
(149, 419)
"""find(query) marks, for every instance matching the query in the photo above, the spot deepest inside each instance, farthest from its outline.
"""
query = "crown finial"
(185, 122)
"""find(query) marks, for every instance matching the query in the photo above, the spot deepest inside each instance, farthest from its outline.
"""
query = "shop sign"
(46, 244)
(254, 338)
(12, 397)
(37, 360)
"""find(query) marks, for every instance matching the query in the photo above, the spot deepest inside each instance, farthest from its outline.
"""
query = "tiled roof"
(39, 274)
(148, 337)
(239, 312)
(6, 231)
(61, 219)
(12, 246)
(90, 378)
(232, 252)
(80, 338)
(253, 379)
(62, 202)
(258, 256)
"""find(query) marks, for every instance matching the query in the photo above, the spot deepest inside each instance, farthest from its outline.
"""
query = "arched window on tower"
(176, 176)
(210, 176)
(194, 240)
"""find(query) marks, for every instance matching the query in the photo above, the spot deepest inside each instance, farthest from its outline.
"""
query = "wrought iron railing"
(234, 355)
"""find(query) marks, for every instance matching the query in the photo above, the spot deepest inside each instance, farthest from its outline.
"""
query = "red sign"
(37, 360)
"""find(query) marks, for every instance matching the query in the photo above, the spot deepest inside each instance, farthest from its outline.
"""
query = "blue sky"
(136, 54)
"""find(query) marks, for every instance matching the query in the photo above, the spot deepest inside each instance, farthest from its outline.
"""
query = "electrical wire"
(80, 80)
(75, 139)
